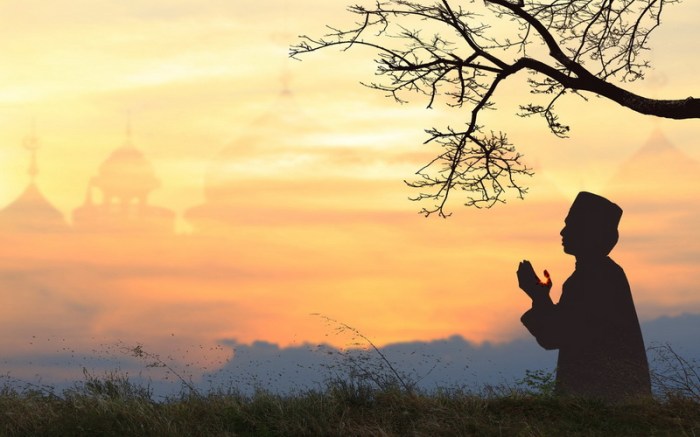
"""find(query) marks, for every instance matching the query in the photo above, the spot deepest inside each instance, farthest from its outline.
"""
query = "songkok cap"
(596, 210)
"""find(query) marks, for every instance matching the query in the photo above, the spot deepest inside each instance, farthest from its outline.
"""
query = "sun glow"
(280, 185)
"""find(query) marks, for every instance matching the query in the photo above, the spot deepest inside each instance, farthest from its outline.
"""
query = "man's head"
(591, 226)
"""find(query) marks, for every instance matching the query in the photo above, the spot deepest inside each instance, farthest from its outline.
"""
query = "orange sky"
(317, 216)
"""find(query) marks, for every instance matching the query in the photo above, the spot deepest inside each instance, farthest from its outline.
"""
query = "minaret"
(31, 143)
(127, 131)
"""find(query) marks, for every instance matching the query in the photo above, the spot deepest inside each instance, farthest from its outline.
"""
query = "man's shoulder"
(613, 275)
(611, 265)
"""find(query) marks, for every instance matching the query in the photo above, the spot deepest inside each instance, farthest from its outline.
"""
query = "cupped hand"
(530, 283)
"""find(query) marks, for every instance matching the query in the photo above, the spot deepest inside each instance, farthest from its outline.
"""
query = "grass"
(112, 406)
(368, 398)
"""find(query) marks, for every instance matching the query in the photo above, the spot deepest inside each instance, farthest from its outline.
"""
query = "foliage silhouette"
(360, 371)
(674, 376)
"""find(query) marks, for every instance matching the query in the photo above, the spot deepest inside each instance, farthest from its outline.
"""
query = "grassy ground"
(373, 398)
(114, 407)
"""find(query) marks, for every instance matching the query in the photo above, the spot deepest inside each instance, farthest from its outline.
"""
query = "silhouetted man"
(594, 325)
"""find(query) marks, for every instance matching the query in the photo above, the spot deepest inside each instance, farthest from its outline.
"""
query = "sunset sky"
(316, 213)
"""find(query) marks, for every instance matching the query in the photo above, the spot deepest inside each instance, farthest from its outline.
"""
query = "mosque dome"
(263, 159)
(655, 171)
(126, 174)
(278, 136)
(123, 183)
(31, 212)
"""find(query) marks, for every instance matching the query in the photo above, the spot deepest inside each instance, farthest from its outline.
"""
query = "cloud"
(449, 362)
(442, 363)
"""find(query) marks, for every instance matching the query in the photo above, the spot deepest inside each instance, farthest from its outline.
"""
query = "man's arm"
(545, 323)
(543, 320)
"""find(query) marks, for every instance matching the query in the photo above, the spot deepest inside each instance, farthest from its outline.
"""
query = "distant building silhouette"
(123, 184)
(647, 171)
(660, 184)
(31, 211)
(283, 131)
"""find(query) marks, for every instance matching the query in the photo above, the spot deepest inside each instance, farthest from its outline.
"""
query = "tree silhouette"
(461, 52)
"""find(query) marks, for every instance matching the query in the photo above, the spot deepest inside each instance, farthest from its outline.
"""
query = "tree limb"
(589, 45)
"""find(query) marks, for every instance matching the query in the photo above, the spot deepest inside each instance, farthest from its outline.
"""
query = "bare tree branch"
(588, 44)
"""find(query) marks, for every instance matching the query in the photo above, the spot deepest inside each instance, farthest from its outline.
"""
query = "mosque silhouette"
(116, 199)
(117, 245)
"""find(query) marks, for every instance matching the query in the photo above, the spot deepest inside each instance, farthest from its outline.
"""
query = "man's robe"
(595, 328)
